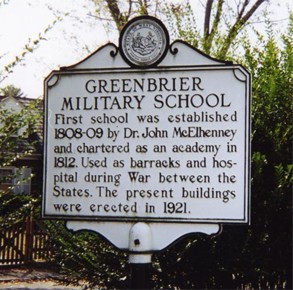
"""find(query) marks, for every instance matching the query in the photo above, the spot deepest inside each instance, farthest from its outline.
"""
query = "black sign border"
(247, 153)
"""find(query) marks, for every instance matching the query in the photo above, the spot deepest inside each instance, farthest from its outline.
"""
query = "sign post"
(140, 245)
(150, 138)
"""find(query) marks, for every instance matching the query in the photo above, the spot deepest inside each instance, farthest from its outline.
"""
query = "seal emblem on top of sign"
(144, 41)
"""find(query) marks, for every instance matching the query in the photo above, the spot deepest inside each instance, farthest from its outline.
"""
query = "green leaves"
(84, 258)
(17, 127)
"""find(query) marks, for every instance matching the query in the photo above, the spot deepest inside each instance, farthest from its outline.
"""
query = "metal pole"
(140, 276)
(140, 247)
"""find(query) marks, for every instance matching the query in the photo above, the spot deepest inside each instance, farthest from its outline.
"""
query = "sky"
(75, 35)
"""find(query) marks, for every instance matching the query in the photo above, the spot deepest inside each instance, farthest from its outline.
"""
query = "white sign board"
(168, 144)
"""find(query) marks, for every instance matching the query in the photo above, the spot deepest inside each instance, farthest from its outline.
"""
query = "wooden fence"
(23, 243)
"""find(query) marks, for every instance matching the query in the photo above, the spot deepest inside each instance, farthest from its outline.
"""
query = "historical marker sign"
(165, 143)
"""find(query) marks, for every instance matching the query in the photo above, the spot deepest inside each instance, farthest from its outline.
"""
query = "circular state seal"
(144, 41)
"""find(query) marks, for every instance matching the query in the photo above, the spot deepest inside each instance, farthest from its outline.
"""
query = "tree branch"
(209, 35)
(143, 7)
(129, 8)
(246, 2)
(217, 17)
(239, 23)
(118, 17)
(207, 18)
(252, 10)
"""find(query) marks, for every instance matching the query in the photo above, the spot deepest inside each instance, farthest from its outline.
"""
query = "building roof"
(36, 131)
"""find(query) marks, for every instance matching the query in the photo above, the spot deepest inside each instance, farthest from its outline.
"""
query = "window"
(16, 178)
(6, 176)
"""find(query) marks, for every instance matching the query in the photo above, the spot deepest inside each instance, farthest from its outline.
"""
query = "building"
(21, 145)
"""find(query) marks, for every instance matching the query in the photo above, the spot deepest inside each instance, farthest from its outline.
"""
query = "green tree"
(222, 27)
(259, 255)
(17, 133)
(272, 68)
(18, 139)
(222, 21)
(120, 12)
(85, 259)
(11, 91)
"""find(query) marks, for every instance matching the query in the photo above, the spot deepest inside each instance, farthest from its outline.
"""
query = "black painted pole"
(140, 255)
(140, 276)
